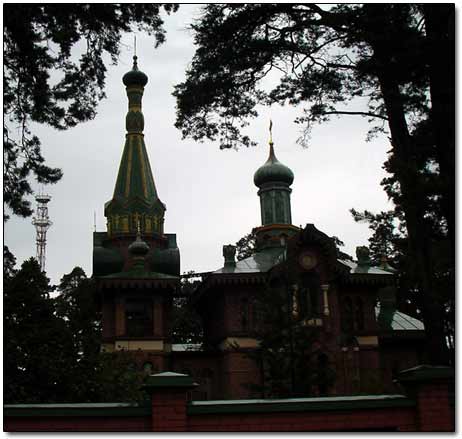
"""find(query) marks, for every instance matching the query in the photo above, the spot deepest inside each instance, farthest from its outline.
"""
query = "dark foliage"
(186, 323)
(289, 361)
(52, 345)
(245, 247)
(43, 83)
(330, 60)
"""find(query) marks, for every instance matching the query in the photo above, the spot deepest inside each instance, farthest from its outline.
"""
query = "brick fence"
(426, 406)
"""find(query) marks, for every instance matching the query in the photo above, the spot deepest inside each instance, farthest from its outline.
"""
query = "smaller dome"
(135, 76)
(138, 247)
(273, 171)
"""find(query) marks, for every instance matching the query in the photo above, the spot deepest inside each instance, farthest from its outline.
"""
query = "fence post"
(431, 387)
(169, 398)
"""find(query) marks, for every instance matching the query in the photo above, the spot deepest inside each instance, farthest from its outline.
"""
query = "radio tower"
(42, 223)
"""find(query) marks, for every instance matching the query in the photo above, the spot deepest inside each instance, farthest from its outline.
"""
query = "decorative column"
(325, 290)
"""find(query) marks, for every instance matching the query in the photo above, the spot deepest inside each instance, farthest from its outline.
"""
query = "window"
(138, 317)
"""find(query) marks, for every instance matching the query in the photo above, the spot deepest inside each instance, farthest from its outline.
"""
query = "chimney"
(229, 253)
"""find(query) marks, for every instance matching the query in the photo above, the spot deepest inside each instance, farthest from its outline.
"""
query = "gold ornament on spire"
(271, 132)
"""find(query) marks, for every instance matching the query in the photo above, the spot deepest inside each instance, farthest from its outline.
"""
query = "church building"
(349, 306)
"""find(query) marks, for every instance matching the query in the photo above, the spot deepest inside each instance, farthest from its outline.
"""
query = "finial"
(271, 132)
(271, 153)
(134, 45)
(138, 230)
(94, 219)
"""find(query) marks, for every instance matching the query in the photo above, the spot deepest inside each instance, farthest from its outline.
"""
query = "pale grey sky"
(210, 196)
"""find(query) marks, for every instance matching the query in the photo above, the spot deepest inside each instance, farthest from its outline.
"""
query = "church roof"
(355, 268)
(135, 196)
(259, 262)
(265, 259)
(392, 319)
(273, 171)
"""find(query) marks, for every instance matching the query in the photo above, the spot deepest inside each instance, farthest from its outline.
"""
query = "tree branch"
(355, 113)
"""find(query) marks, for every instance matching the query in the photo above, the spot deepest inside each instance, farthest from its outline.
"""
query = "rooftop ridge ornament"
(272, 155)
(135, 58)
(271, 132)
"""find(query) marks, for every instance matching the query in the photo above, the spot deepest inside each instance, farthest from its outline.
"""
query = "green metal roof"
(363, 269)
(299, 404)
(392, 319)
(138, 274)
(267, 258)
(259, 262)
(273, 171)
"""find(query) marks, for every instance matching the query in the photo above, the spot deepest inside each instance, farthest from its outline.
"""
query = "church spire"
(273, 180)
(135, 198)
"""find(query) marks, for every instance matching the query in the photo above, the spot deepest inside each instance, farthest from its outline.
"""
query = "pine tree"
(36, 344)
(38, 41)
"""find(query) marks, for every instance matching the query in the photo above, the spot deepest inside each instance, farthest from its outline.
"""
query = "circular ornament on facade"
(308, 260)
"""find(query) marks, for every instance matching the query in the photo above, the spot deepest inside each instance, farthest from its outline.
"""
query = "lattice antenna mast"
(42, 223)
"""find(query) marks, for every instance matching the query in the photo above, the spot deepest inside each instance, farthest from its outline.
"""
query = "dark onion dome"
(273, 171)
(138, 247)
(135, 76)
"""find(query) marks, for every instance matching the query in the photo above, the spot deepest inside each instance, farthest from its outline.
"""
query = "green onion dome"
(135, 76)
(138, 247)
(273, 171)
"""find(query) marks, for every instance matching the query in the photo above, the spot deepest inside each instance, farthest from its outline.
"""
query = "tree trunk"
(439, 25)
(407, 176)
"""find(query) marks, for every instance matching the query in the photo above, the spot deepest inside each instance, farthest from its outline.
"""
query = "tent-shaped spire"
(135, 200)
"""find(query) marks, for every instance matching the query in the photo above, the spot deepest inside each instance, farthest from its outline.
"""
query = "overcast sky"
(210, 196)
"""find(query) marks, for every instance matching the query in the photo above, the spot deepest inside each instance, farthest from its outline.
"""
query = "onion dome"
(135, 76)
(273, 171)
(138, 248)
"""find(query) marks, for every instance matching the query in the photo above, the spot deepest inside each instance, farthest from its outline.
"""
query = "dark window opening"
(347, 314)
(138, 317)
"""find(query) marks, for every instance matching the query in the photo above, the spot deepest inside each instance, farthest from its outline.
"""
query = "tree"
(43, 83)
(289, 362)
(52, 345)
(245, 247)
(328, 58)
(35, 339)
(90, 375)
(186, 323)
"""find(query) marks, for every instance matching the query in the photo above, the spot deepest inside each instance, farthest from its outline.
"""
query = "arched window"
(359, 314)
(347, 314)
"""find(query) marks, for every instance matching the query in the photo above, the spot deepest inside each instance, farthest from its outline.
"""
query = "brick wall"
(381, 419)
(427, 407)
(77, 423)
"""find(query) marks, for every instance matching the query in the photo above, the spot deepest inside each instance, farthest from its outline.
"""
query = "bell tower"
(135, 263)
(273, 180)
